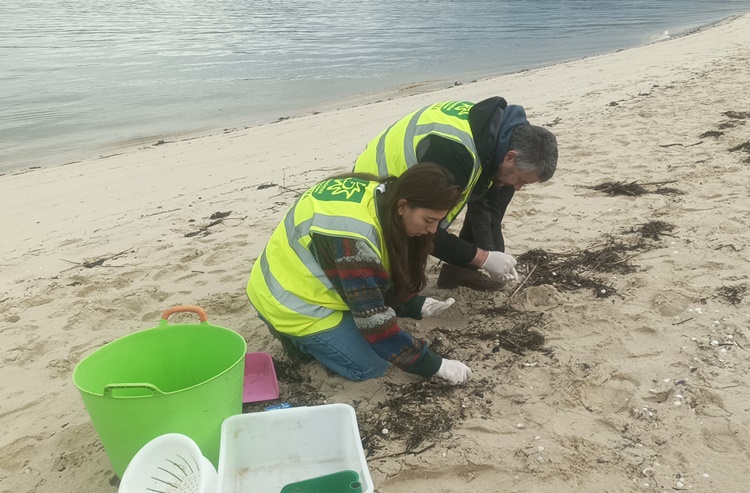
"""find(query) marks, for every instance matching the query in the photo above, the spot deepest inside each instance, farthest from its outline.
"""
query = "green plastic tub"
(174, 378)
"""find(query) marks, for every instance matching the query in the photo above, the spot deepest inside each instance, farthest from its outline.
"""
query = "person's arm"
(452, 249)
(418, 307)
(361, 280)
(449, 247)
(454, 157)
(411, 308)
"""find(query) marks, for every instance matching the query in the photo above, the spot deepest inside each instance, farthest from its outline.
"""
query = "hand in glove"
(501, 266)
(454, 372)
(433, 307)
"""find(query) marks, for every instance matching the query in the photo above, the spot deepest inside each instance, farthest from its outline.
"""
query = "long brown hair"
(424, 185)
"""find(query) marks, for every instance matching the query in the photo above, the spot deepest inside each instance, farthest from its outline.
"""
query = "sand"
(642, 387)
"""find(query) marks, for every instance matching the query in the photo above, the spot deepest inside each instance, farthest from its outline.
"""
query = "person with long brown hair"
(347, 260)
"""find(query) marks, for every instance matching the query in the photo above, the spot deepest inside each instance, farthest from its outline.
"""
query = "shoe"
(452, 276)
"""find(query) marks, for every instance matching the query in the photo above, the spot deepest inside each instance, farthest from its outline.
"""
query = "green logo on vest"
(458, 109)
(341, 190)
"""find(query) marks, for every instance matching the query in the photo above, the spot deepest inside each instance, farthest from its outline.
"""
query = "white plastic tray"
(263, 452)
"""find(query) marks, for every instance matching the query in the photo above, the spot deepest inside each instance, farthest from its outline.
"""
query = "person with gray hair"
(493, 151)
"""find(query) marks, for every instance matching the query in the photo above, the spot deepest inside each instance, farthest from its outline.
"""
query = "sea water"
(79, 77)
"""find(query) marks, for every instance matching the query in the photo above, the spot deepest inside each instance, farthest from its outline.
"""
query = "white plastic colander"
(171, 463)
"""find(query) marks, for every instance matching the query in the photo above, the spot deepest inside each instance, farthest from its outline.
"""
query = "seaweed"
(613, 188)
(654, 230)
(408, 415)
(634, 189)
(733, 294)
(737, 115)
(570, 272)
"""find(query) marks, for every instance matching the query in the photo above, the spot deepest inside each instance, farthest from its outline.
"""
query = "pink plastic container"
(260, 378)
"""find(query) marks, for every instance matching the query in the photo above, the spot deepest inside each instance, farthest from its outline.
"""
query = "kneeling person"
(492, 151)
(348, 258)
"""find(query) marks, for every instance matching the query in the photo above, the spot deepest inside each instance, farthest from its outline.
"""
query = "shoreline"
(340, 103)
(642, 389)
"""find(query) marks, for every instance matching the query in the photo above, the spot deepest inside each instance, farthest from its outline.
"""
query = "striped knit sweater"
(362, 281)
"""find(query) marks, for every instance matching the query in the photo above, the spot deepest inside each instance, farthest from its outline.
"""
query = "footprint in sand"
(18, 453)
(62, 367)
(539, 298)
(219, 258)
(669, 302)
(28, 352)
(225, 303)
(190, 255)
(153, 316)
(38, 301)
(136, 301)
(84, 292)
(583, 153)
(79, 444)
(225, 252)
(640, 343)
(708, 403)
(722, 438)
(611, 397)
(170, 271)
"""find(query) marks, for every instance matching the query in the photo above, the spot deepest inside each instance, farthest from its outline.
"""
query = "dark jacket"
(492, 122)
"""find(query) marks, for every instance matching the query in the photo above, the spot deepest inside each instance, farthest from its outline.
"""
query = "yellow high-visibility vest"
(287, 285)
(395, 149)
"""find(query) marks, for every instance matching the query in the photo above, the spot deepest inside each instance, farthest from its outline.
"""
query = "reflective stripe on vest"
(287, 285)
(395, 149)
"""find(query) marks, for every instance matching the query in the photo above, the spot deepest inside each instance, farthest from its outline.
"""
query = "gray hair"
(536, 150)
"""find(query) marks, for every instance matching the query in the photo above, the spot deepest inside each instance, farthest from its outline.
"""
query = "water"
(79, 76)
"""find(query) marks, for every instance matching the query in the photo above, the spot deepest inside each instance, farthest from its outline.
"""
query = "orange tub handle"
(185, 308)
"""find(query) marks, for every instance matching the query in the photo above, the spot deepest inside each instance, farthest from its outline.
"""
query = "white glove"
(453, 371)
(501, 266)
(433, 307)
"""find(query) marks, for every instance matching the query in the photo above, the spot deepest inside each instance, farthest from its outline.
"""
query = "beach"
(640, 383)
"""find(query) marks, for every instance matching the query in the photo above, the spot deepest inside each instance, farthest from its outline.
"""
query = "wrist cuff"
(427, 365)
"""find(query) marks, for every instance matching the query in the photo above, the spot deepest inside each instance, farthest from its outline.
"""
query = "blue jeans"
(341, 349)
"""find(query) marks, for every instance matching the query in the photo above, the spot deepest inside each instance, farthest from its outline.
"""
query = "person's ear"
(510, 156)
(401, 206)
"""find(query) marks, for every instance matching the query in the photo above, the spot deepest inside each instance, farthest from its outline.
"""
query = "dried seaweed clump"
(613, 188)
(669, 191)
(745, 146)
(711, 133)
(569, 272)
(732, 294)
(413, 413)
(634, 189)
(737, 115)
(654, 230)
(520, 339)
